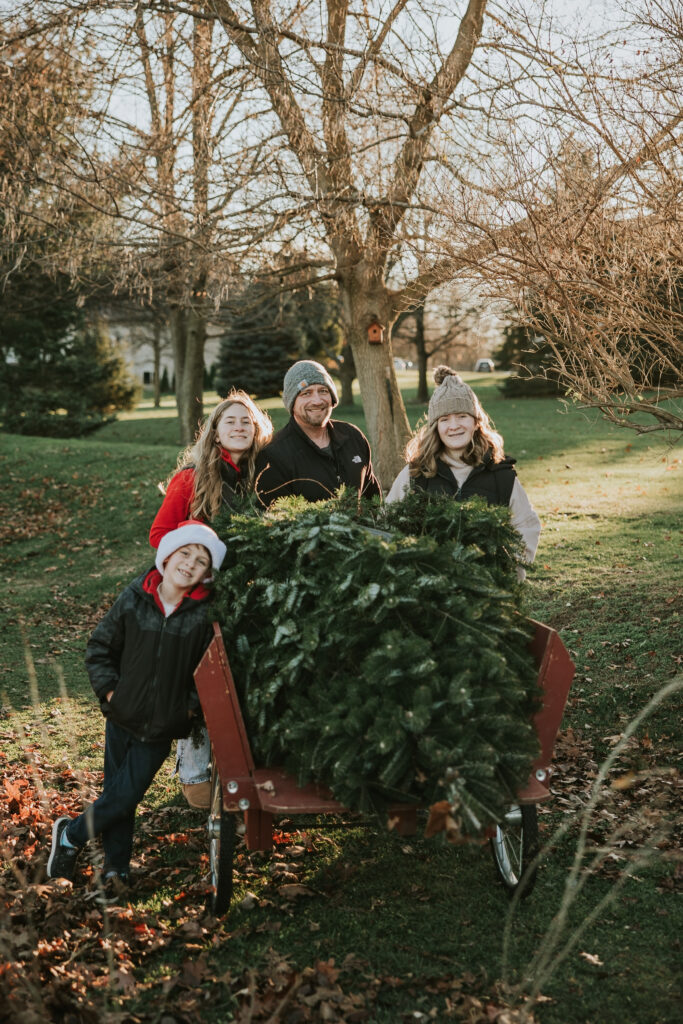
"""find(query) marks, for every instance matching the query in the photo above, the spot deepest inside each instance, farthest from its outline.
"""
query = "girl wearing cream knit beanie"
(458, 452)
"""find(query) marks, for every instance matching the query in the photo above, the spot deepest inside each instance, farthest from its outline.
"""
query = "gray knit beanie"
(301, 375)
(451, 395)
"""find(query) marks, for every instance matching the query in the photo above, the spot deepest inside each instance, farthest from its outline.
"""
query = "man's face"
(313, 406)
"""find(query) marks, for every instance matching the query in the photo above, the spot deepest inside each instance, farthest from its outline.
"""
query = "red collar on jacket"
(151, 582)
(225, 455)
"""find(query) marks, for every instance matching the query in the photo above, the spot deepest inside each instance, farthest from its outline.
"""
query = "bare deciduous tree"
(47, 195)
(593, 262)
(182, 249)
(391, 114)
(156, 166)
(359, 93)
(418, 134)
(438, 331)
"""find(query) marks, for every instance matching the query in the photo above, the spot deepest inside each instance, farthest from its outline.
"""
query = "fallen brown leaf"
(292, 891)
(625, 781)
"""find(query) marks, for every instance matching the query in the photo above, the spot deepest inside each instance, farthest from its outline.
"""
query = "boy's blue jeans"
(129, 768)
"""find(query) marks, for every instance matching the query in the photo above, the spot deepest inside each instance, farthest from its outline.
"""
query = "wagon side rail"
(555, 674)
(225, 725)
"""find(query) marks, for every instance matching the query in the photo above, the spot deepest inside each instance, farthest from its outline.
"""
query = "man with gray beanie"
(313, 455)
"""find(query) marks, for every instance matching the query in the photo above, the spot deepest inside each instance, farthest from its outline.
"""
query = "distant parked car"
(484, 366)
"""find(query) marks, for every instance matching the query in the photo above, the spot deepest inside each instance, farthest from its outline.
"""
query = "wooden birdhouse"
(375, 332)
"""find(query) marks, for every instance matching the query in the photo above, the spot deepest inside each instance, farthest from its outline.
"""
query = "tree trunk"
(385, 415)
(156, 343)
(422, 389)
(188, 331)
(347, 375)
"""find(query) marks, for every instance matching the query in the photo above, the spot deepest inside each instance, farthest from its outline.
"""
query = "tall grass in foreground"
(559, 939)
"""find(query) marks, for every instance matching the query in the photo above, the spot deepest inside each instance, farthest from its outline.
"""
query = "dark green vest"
(491, 480)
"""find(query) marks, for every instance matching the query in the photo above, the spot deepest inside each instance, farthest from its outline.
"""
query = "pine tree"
(381, 651)
(532, 361)
(318, 313)
(263, 338)
(269, 329)
(60, 376)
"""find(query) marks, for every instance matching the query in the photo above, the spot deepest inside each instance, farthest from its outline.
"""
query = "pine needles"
(381, 650)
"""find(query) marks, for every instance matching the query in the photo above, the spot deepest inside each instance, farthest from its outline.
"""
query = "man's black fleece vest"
(491, 480)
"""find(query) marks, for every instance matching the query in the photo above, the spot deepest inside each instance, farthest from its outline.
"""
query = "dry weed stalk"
(554, 947)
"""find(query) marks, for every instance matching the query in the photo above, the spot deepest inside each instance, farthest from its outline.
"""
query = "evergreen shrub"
(532, 361)
(59, 375)
(381, 650)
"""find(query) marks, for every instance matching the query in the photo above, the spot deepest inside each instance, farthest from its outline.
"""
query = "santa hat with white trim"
(192, 531)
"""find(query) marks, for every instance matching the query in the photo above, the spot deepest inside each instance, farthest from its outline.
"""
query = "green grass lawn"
(395, 929)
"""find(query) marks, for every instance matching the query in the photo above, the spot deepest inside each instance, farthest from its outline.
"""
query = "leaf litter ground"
(161, 957)
(70, 955)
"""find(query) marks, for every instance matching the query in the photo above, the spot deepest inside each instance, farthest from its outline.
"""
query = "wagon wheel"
(514, 848)
(221, 828)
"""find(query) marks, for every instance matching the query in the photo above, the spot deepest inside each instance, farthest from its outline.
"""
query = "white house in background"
(133, 330)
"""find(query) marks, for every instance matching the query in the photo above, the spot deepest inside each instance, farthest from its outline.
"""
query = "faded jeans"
(130, 765)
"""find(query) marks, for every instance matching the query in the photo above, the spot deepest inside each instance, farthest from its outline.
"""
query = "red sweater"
(175, 508)
(177, 504)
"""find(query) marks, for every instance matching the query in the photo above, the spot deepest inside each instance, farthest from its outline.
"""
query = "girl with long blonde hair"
(210, 474)
(458, 452)
(217, 466)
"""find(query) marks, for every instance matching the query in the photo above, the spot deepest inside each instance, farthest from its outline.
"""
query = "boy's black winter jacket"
(293, 464)
(148, 660)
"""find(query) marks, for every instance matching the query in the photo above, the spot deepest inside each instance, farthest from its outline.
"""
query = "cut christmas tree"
(382, 651)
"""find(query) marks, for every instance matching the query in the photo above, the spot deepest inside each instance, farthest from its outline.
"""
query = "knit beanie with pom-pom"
(451, 395)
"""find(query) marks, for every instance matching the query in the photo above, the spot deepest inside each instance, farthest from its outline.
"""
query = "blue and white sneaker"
(62, 860)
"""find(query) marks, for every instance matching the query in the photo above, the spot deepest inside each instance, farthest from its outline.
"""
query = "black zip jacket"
(149, 660)
(491, 480)
(293, 464)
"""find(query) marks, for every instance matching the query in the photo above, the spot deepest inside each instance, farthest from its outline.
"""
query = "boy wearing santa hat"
(140, 660)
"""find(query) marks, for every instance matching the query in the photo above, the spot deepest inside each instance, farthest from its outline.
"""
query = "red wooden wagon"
(261, 794)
